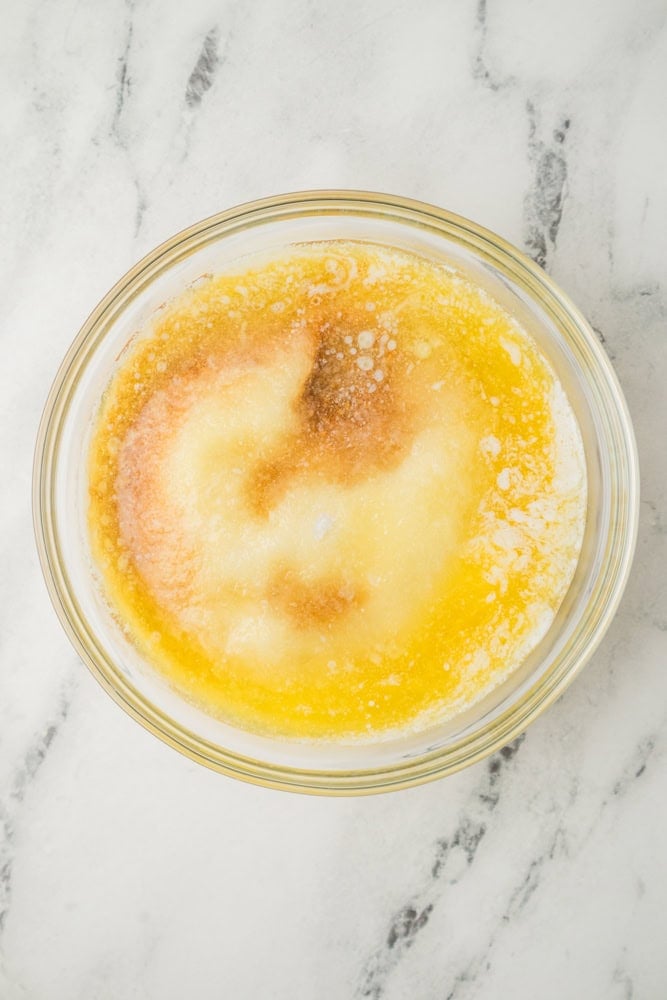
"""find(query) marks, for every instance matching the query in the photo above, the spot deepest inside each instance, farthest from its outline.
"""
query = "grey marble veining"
(125, 870)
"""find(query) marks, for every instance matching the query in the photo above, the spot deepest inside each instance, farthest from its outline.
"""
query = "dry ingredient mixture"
(335, 494)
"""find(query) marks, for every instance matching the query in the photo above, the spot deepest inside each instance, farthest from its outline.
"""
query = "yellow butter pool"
(335, 494)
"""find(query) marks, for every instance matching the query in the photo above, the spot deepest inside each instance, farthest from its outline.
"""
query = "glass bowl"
(563, 335)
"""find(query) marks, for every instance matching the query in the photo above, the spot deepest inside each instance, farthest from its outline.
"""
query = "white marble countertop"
(125, 870)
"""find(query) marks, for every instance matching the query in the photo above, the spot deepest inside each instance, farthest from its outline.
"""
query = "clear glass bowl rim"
(614, 569)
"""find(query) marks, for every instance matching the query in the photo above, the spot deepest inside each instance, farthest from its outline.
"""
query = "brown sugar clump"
(314, 603)
(352, 417)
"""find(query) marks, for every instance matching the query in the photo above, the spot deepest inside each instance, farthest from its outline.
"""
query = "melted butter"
(336, 495)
